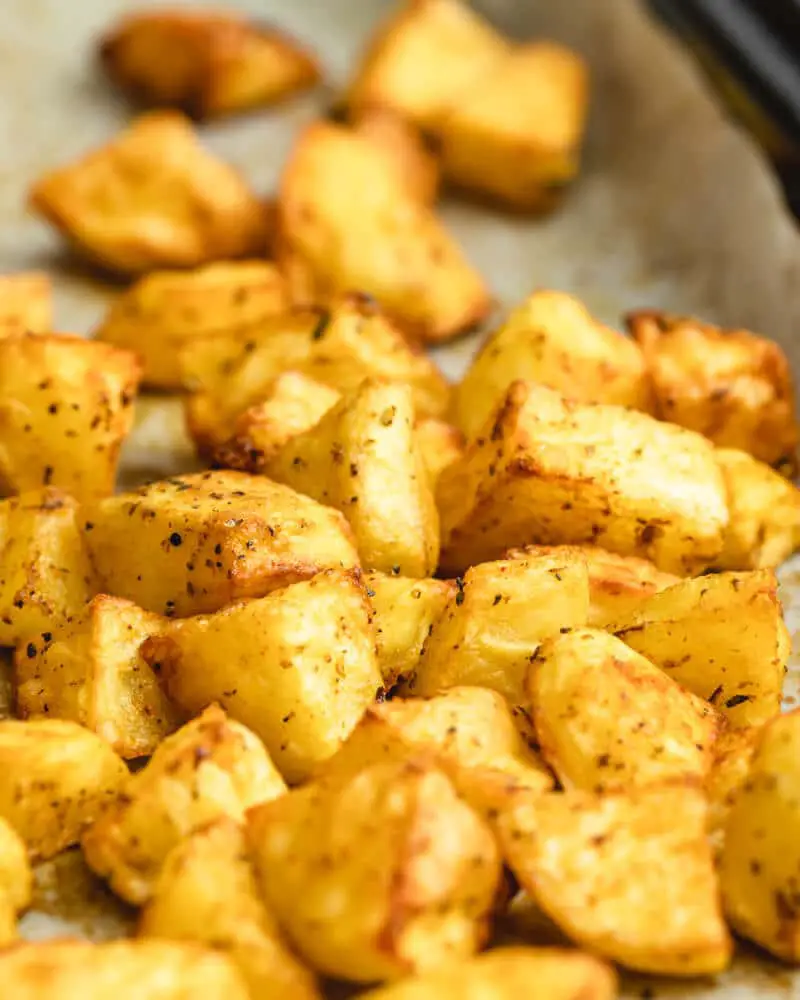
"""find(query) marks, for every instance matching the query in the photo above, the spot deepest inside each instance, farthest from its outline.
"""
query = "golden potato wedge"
(167, 310)
(207, 893)
(495, 621)
(16, 881)
(46, 573)
(152, 198)
(378, 877)
(298, 667)
(515, 134)
(628, 875)
(440, 443)
(758, 867)
(722, 637)
(341, 348)
(65, 409)
(404, 611)
(553, 339)
(606, 719)
(26, 302)
(764, 525)
(731, 385)
(507, 974)
(208, 63)
(422, 59)
(192, 544)
(547, 470)
(71, 969)
(404, 148)
(363, 459)
(55, 778)
(209, 768)
(89, 670)
(617, 584)
(347, 221)
(733, 752)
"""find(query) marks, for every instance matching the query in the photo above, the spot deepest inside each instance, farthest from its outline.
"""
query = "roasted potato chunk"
(347, 221)
(89, 670)
(547, 470)
(125, 970)
(733, 752)
(404, 611)
(192, 544)
(208, 63)
(56, 777)
(26, 302)
(298, 667)
(65, 409)
(363, 459)
(404, 148)
(46, 573)
(440, 443)
(166, 311)
(207, 893)
(731, 385)
(16, 881)
(408, 869)
(209, 768)
(758, 867)
(764, 525)
(606, 719)
(553, 339)
(515, 134)
(423, 58)
(507, 974)
(628, 875)
(341, 348)
(152, 198)
(722, 637)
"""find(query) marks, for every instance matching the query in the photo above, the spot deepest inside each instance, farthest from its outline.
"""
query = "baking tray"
(676, 209)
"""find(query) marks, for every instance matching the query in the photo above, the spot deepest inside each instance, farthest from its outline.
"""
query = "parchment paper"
(676, 209)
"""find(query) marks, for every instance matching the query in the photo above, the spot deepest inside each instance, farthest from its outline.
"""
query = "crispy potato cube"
(208, 63)
(16, 881)
(758, 867)
(764, 506)
(65, 409)
(405, 149)
(207, 893)
(346, 221)
(298, 667)
(192, 544)
(71, 969)
(515, 134)
(46, 574)
(731, 385)
(167, 310)
(628, 875)
(606, 719)
(341, 348)
(440, 443)
(152, 198)
(57, 776)
(733, 752)
(362, 458)
(26, 302)
(209, 768)
(404, 611)
(386, 874)
(507, 974)
(547, 470)
(722, 637)
(90, 670)
(423, 58)
(553, 339)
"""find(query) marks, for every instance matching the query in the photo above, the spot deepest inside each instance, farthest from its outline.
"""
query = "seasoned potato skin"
(16, 881)
(26, 302)
(65, 409)
(209, 768)
(191, 544)
(411, 870)
(46, 572)
(404, 148)
(733, 754)
(152, 198)
(440, 443)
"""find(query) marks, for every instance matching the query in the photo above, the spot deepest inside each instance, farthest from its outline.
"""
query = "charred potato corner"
(395, 657)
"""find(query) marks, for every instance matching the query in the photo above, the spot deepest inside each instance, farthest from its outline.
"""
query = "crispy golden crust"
(26, 302)
(405, 149)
